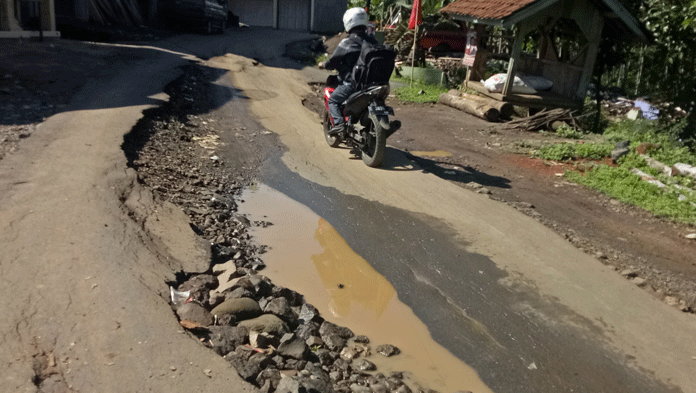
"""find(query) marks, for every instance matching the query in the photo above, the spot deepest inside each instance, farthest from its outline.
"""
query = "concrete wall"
(10, 27)
(327, 15)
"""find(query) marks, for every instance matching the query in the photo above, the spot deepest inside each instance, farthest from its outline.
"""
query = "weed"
(623, 185)
(566, 131)
(568, 151)
(418, 91)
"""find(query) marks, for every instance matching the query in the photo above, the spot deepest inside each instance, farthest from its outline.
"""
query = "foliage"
(620, 183)
(569, 151)
(569, 132)
(623, 185)
(665, 67)
(418, 92)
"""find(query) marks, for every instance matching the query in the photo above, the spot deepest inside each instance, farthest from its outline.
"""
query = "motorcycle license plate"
(381, 110)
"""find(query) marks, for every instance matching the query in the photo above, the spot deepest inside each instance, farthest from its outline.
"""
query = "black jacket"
(347, 53)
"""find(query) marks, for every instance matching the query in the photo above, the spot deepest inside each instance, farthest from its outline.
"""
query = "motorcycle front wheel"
(375, 144)
(333, 141)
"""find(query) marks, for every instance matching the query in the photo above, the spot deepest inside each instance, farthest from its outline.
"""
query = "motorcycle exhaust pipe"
(394, 126)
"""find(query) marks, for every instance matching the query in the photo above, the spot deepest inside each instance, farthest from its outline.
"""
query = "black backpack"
(374, 66)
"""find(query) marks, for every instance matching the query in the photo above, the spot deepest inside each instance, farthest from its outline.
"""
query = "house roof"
(486, 9)
(510, 12)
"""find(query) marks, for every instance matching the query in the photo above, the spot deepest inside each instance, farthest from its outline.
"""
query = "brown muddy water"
(308, 255)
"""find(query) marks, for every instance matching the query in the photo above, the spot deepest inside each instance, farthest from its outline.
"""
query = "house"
(27, 18)
(301, 15)
(561, 38)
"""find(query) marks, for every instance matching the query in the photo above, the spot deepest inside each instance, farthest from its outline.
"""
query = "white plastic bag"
(521, 85)
(179, 297)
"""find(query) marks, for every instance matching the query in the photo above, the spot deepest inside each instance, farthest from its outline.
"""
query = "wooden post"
(514, 57)
(413, 52)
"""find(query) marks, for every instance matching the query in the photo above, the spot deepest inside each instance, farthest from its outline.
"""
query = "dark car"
(209, 14)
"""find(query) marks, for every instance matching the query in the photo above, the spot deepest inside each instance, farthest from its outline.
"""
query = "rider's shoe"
(338, 129)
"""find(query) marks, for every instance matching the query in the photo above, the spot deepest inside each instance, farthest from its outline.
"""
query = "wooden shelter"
(566, 36)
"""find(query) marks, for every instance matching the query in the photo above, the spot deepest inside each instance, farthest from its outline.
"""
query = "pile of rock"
(277, 341)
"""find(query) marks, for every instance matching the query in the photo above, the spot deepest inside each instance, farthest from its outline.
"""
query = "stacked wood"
(543, 120)
(482, 107)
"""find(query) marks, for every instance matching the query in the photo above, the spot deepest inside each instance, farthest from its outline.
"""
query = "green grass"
(418, 92)
(623, 185)
(569, 151)
(618, 182)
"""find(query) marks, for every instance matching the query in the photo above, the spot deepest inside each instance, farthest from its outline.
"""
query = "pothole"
(310, 256)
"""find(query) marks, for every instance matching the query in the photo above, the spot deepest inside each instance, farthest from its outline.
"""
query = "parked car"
(208, 14)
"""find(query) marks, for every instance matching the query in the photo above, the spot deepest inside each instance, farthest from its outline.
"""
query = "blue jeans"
(337, 98)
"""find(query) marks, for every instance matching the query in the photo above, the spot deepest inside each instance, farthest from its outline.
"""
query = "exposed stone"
(308, 312)
(349, 353)
(403, 389)
(361, 339)
(388, 350)
(364, 365)
(280, 307)
(226, 338)
(288, 385)
(292, 346)
(639, 281)
(307, 330)
(262, 340)
(355, 388)
(194, 312)
(334, 336)
(314, 341)
(629, 273)
(248, 366)
(266, 323)
(237, 293)
(269, 375)
(324, 356)
(671, 300)
(293, 298)
(200, 282)
(618, 153)
(379, 387)
(341, 364)
(241, 309)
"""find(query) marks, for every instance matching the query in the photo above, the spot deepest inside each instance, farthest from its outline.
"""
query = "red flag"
(416, 15)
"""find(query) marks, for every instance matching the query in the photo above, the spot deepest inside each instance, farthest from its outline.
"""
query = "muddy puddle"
(308, 255)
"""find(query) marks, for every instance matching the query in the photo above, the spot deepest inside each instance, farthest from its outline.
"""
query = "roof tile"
(486, 9)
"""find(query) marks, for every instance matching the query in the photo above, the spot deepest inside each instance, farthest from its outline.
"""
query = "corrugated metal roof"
(486, 9)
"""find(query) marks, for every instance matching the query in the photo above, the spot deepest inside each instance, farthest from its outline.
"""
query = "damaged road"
(91, 245)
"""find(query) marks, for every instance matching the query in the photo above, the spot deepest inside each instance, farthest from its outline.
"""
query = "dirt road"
(539, 285)
(87, 252)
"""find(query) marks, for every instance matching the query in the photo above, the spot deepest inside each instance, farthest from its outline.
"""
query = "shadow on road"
(465, 175)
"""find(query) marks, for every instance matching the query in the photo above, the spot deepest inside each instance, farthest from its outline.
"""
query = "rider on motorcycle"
(343, 60)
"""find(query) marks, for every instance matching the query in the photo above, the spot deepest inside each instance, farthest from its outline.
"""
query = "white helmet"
(355, 17)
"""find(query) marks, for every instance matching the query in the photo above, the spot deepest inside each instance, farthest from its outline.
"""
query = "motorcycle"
(367, 120)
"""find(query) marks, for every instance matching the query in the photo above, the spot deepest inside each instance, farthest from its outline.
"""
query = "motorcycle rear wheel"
(333, 141)
(375, 145)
